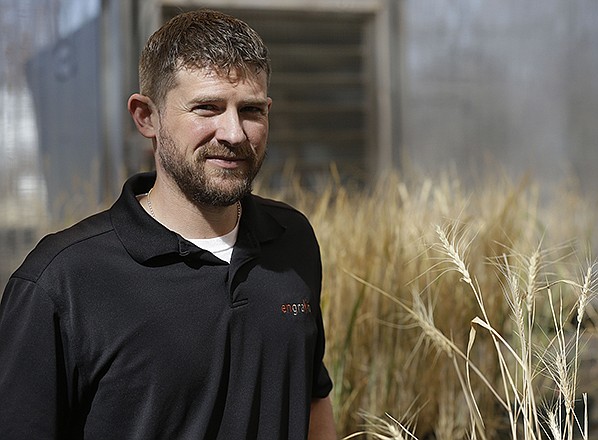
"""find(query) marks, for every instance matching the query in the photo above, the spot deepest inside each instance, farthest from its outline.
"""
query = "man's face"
(212, 135)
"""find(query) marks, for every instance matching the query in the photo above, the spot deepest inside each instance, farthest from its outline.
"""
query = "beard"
(212, 186)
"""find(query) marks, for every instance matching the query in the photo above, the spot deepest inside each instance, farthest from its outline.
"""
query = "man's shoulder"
(55, 244)
(275, 207)
(292, 220)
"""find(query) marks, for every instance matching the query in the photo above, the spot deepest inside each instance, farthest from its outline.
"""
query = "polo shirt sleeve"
(322, 383)
(31, 364)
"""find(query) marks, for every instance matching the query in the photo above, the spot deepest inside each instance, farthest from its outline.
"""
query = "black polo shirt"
(118, 328)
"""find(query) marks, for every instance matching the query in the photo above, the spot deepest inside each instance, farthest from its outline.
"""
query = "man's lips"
(225, 162)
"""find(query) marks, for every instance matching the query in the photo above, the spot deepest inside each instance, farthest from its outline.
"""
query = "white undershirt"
(221, 247)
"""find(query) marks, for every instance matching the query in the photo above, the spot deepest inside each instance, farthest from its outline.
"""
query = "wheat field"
(456, 312)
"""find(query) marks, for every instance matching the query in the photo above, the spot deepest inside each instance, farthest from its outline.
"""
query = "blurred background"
(364, 85)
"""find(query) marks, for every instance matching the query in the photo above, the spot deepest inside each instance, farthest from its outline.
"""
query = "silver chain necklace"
(149, 203)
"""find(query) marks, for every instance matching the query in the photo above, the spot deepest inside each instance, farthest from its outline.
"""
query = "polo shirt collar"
(146, 239)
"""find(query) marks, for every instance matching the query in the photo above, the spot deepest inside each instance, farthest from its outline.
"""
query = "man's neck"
(167, 205)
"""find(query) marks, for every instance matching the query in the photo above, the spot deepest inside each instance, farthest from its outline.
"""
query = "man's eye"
(205, 108)
(253, 109)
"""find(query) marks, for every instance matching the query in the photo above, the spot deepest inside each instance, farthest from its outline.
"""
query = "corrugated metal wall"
(512, 82)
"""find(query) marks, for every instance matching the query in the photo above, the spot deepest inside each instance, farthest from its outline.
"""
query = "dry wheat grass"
(452, 307)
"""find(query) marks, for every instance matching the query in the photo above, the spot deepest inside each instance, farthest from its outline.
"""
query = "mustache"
(222, 151)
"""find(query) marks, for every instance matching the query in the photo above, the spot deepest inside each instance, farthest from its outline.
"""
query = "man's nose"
(230, 128)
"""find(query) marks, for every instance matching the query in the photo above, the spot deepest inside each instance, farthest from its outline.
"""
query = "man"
(189, 309)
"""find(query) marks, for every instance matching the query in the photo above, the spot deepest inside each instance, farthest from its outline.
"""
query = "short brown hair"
(199, 39)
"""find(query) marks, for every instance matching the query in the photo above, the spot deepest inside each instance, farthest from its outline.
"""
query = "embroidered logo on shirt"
(296, 308)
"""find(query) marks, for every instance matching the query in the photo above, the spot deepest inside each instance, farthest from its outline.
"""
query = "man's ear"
(143, 112)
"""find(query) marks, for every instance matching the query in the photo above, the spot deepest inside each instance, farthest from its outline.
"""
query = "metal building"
(366, 85)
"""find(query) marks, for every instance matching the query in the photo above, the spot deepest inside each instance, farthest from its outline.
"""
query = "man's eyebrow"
(258, 102)
(205, 99)
(245, 102)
